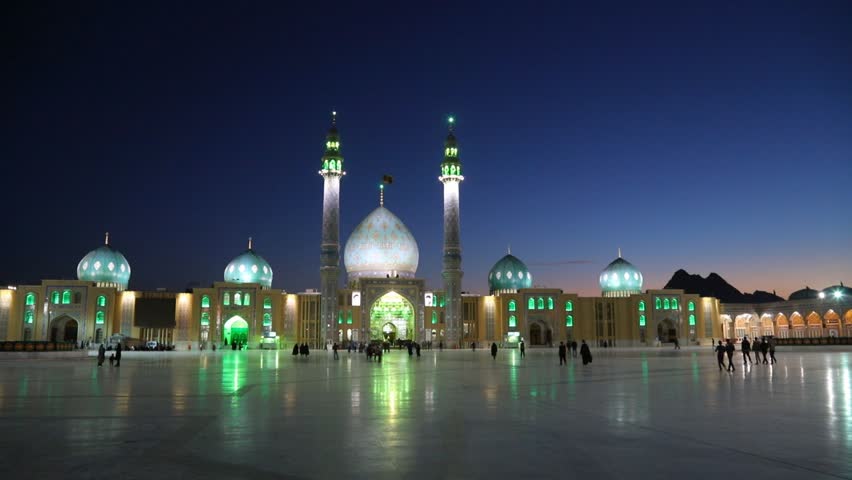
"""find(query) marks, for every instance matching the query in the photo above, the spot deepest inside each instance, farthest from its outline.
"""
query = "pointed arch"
(569, 306)
(31, 299)
(550, 303)
(54, 297)
(767, 325)
(540, 303)
(238, 299)
(512, 305)
(205, 301)
(102, 301)
(267, 303)
(513, 321)
(641, 305)
(666, 304)
(226, 299)
(66, 297)
(99, 317)
(531, 304)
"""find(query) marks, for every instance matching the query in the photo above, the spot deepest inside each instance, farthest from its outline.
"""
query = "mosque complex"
(382, 298)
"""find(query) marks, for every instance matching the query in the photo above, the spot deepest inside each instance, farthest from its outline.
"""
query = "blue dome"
(249, 267)
(509, 275)
(620, 279)
(105, 266)
(381, 245)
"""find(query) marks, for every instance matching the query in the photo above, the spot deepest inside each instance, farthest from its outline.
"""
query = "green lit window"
(550, 303)
(531, 304)
(30, 299)
(513, 322)
(54, 298)
(66, 297)
(512, 306)
(267, 319)
(226, 300)
(540, 303)
(339, 317)
(674, 304)
(349, 317)
(692, 319)
(205, 302)
(642, 320)
(99, 317)
(434, 317)
(102, 301)
(238, 299)
(641, 305)
(569, 306)
(658, 304)
(28, 316)
(205, 318)
(569, 320)
(691, 306)
(247, 299)
(325, 164)
(267, 303)
(442, 302)
(666, 304)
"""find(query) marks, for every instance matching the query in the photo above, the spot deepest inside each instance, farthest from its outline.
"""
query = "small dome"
(249, 267)
(836, 292)
(509, 275)
(806, 293)
(381, 246)
(105, 266)
(620, 279)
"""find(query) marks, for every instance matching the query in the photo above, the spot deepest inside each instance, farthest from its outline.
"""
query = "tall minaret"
(451, 177)
(332, 170)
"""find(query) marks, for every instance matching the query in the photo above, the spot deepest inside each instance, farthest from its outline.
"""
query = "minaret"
(332, 170)
(451, 177)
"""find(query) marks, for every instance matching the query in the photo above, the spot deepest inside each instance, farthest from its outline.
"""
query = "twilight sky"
(709, 136)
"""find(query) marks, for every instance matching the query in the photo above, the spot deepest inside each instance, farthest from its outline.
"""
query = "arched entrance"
(535, 334)
(63, 329)
(389, 332)
(666, 331)
(236, 330)
(394, 309)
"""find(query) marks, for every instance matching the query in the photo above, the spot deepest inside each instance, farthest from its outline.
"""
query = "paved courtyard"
(630, 414)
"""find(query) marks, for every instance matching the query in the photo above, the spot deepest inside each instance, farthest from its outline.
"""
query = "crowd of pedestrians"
(760, 347)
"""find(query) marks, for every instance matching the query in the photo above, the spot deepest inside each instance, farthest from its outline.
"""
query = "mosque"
(382, 298)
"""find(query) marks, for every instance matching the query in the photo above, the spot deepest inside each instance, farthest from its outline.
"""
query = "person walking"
(494, 351)
(586, 353)
(523, 348)
(772, 350)
(676, 344)
(729, 350)
(720, 355)
(101, 355)
(334, 349)
(764, 347)
(562, 354)
(118, 355)
(410, 348)
(755, 347)
(417, 349)
(574, 348)
(746, 348)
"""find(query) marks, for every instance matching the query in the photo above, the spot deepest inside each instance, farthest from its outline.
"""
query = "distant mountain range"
(716, 286)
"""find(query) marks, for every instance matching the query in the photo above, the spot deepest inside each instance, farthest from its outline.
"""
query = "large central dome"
(381, 246)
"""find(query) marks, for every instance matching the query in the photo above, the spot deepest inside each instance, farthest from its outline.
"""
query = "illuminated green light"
(512, 306)
(641, 320)
(569, 320)
(99, 317)
(513, 322)
(691, 320)
(569, 306)
(641, 305)
(451, 119)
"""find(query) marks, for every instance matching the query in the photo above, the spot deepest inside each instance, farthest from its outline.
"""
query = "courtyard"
(652, 413)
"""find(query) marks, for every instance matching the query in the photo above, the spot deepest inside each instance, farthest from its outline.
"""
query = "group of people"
(585, 352)
(761, 346)
(302, 350)
(114, 358)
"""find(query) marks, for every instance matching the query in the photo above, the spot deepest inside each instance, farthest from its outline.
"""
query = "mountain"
(716, 286)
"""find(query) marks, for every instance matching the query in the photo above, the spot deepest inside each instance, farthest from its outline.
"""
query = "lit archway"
(236, 330)
(392, 308)
(782, 326)
(832, 323)
(767, 327)
(814, 322)
(847, 320)
(63, 329)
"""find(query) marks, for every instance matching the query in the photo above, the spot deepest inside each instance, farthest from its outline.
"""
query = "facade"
(382, 298)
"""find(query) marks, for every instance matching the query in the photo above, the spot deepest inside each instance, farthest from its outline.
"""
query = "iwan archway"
(392, 318)
(236, 330)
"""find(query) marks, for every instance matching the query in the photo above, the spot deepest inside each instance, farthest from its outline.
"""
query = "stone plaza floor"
(652, 413)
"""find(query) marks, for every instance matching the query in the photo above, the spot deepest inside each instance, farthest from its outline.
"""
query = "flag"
(387, 179)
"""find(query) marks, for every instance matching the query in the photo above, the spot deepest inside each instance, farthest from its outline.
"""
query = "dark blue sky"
(708, 136)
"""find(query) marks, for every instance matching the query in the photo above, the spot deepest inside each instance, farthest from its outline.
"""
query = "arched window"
(205, 302)
(247, 299)
(434, 317)
(238, 299)
(550, 303)
(513, 322)
(101, 301)
(28, 316)
(512, 306)
(641, 320)
(540, 303)
(691, 306)
(569, 320)
(99, 335)
(641, 305)
(267, 303)
(340, 317)
(205, 318)
(267, 319)
(99, 317)
(349, 317)
(674, 304)
(531, 304)
(692, 319)
(226, 300)
(66, 297)
(658, 304)
(666, 304)
(30, 299)
(569, 306)
(54, 298)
